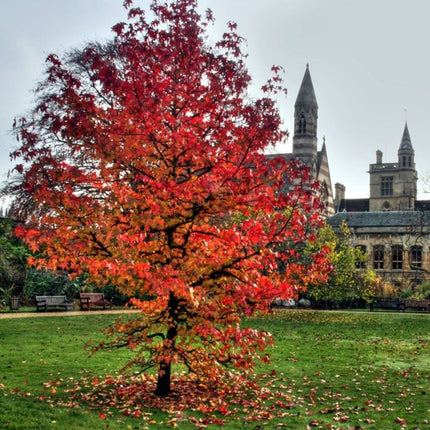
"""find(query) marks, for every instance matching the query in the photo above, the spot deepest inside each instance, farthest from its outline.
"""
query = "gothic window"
(397, 257)
(360, 262)
(302, 124)
(387, 186)
(416, 256)
(409, 161)
(404, 161)
(378, 257)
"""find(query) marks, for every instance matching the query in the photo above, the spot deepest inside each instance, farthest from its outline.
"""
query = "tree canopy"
(350, 283)
(142, 164)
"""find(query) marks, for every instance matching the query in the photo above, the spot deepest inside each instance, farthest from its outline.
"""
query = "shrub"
(44, 282)
(421, 291)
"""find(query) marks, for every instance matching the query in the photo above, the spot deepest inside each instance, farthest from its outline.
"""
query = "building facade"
(391, 226)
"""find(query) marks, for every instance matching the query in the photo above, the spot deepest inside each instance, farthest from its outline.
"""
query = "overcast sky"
(369, 61)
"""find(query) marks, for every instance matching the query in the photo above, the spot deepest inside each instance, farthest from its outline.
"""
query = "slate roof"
(422, 205)
(381, 219)
(354, 205)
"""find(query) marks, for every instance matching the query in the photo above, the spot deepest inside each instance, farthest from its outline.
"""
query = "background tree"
(349, 283)
(13, 257)
(142, 165)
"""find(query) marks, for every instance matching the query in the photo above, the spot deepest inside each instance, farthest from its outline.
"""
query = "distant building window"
(397, 257)
(302, 124)
(378, 257)
(360, 262)
(387, 186)
(409, 161)
(416, 256)
(386, 206)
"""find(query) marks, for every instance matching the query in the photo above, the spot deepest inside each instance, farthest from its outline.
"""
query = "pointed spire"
(406, 142)
(406, 153)
(306, 95)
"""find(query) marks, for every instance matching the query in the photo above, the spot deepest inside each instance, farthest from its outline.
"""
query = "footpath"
(8, 315)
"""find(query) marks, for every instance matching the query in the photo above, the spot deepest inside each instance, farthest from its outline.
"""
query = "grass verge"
(328, 370)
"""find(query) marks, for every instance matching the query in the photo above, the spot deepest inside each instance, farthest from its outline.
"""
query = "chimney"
(378, 157)
(339, 196)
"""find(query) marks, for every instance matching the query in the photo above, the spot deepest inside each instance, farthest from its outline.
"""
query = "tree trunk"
(163, 382)
(164, 371)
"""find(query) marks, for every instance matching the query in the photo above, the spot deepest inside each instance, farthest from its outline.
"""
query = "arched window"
(302, 124)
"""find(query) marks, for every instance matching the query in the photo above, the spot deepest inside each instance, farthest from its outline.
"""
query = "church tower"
(393, 186)
(305, 142)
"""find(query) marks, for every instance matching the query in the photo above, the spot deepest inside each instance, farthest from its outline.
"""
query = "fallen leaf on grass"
(401, 421)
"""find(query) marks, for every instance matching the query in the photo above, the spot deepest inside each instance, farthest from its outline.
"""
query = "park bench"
(45, 302)
(383, 303)
(417, 304)
(88, 300)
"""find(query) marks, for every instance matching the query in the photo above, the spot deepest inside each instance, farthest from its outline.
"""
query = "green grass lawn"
(333, 370)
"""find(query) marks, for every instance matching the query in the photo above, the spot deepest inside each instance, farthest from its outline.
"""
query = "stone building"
(391, 226)
(305, 140)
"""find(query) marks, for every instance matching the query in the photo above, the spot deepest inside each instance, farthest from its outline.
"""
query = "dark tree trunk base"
(163, 383)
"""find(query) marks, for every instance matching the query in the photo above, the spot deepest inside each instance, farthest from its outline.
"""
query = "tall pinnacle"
(306, 94)
(406, 142)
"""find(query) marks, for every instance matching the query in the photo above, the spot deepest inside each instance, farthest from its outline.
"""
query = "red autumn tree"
(143, 165)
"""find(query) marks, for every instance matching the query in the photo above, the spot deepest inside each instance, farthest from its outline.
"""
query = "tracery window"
(378, 257)
(416, 256)
(397, 257)
(387, 186)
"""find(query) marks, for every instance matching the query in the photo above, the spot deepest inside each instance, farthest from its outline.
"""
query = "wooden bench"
(88, 300)
(417, 304)
(382, 303)
(45, 302)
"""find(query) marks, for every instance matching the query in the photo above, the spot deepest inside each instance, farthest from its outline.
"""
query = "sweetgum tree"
(142, 165)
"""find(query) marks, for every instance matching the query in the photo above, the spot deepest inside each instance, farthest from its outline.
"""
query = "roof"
(354, 205)
(406, 142)
(422, 205)
(381, 219)
(306, 95)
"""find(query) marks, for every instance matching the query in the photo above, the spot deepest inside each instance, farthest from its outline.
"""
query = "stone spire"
(406, 152)
(306, 96)
(305, 122)
(406, 142)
